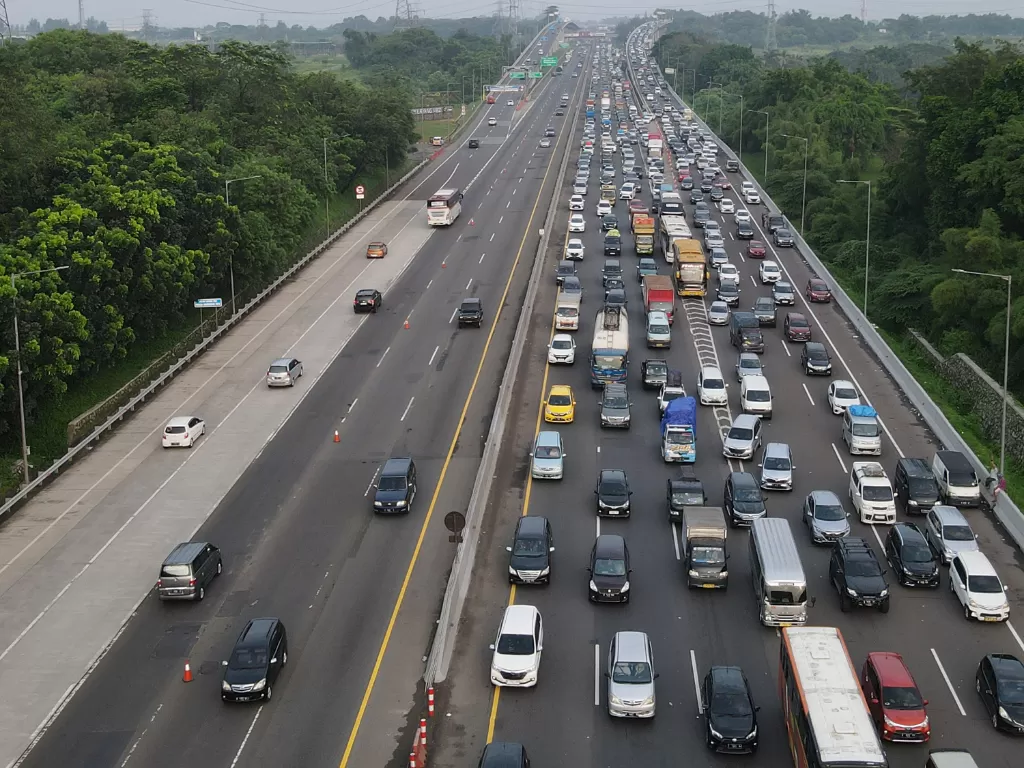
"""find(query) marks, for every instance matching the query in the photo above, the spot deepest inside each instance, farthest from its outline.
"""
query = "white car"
(627, 191)
(746, 186)
(182, 432)
(603, 209)
(978, 588)
(511, 103)
(580, 187)
(718, 313)
(574, 249)
(562, 349)
(492, 121)
(576, 203)
(841, 395)
(742, 216)
(517, 648)
(681, 163)
(750, 197)
(577, 223)
(728, 273)
(769, 272)
(545, 143)
(727, 206)
(711, 386)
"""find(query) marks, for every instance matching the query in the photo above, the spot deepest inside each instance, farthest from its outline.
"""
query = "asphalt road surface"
(564, 719)
(297, 531)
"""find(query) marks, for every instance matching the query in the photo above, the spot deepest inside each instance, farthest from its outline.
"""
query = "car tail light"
(159, 583)
(355, 302)
(191, 582)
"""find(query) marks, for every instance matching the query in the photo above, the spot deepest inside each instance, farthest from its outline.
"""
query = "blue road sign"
(545, 37)
(208, 303)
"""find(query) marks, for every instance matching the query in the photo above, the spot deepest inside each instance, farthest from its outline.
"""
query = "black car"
(729, 292)
(615, 297)
(764, 311)
(471, 312)
(730, 717)
(559, 112)
(696, 196)
(612, 245)
(612, 284)
(911, 556)
(613, 493)
(612, 269)
(474, 143)
(529, 560)
(259, 655)
(609, 221)
(367, 300)
(609, 570)
(914, 485)
(783, 238)
(744, 231)
(706, 187)
(686, 183)
(1000, 684)
(815, 359)
(744, 501)
(684, 491)
(653, 373)
(857, 575)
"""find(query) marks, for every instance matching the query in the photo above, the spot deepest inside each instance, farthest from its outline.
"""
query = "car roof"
(949, 515)
(657, 314)
(730, 677)
(519, 619)
(612, 474)
(769, 263)
(631, 645)
(560, 389)
(471, 302)
(910, 532)
(892, 670)
(1007, 665)
(376, 244)
(283, 361)
(532, 525)
(791, 316)
(185, 553)
(256, 632)
(825, 497)
(976, 563)
(750, 356)
(549, 437)
(755, 382)
(609, 545)
(179, 421)
(764, 300)
(915, 467)
(742, 479)
(814, 346)
(775, 449)
(747, 420)
(396, 466)
(364, 291)
(710, 370)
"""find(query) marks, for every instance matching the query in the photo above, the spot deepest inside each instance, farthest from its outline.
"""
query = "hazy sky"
(184, 13)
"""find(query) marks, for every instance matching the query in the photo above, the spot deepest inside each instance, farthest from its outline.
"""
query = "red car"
(893, 698)
(818, 291)
(796, 327)
(755, 250)
(637, 206)
(723, 183)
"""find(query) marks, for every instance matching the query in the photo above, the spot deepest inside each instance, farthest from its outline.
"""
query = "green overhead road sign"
(536, 74)
(563, 45)
(549, 61)
(517, 75)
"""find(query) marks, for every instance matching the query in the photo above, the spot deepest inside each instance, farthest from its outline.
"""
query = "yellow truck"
(643, 234)
(691, 271)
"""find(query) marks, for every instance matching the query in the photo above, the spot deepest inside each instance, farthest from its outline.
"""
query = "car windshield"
(548, 452)
(657, 369)
(613, 488)
(707, 555)
(561, 344)
(279, 369)
(987, 585)
(777, 463)
(747, 494)
(759, 396)
(607, 567)
(391, 484)
(632, 673)
(515, 645)
(917, 553)
(529, 547)
(731, 704)
(249, 658)
(830, 512)
(863, 567)
(741, 433)
(559, 400)
(714, 384)
(862, 429)
(901, 698)
(687, 498)
(616, 401)
(799, 323)
(922, 487)
(877, 493)
(842, 393)
(1010, 691)
(750, 364)
(669, 396)
(957, 533)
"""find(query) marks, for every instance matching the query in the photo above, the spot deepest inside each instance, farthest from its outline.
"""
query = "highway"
(357, 593)
(563, 720)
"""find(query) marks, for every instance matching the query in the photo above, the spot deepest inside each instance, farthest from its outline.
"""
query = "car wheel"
(220, 567)
(884, 607)
(200, 594)
(844, 603)
(284, 658)
(191, 442)
(977, 686)
(268, 693)
(967, 613)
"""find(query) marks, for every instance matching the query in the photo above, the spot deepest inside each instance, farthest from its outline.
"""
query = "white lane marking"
(597, 674)
(372, 481)
(508, 204)
(482, 255)
(181, 406)
(696, 681)
(352, 405)
(450, 176)
(878, 538)
(1013, 632)
(838, 457)
(248, 733)
(469, 283)
(430, 283)
(383, 356)
(141, 737)
(432, 356)
(785, 346)
(454, 313)
(458, 239)
(599, 449)
(742, 260)
(598, 519)
(675, 539)
(501, 219)
(949, 684)
(492, 238)
(411, 399)
(753, 281)
(808, 393)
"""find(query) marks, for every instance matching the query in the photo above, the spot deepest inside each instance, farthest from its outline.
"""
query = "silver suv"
(825, 518)
(776, 467)
(743, 437)
(284, 372)
(631, 676)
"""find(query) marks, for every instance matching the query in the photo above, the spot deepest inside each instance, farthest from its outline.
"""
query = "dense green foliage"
(950, 192)
(116, 157)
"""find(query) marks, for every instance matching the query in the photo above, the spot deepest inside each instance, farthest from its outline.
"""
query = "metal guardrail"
(1008, 513)
(11, 505)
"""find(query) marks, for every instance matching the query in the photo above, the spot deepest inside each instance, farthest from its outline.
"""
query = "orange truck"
(643, 234)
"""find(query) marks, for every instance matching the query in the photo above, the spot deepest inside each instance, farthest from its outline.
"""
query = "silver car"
(748, 364)
(284, 372)
(548, 462)
(743, 437)
(949, 533)
(631, 676)
(718, 313)
(776, 467)
(825, 518)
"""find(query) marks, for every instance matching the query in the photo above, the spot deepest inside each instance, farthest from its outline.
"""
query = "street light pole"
(17, 354)
(227, 203)
(803, 201)
(766, 121)
(1006, 357)
(327, 197)
(867, 242)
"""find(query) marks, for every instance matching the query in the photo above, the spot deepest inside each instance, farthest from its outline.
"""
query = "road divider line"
(469, 283)
(373, 479)
(808, 393)
(597, 674)
(675, 539)
(411, 401)
(696, 681)
(352, 405)
(433, 355)
(1013, 632)
(949, 684)
(245, 739)
(785, 347)
(454, 313)
(383, 356)
(839, 458)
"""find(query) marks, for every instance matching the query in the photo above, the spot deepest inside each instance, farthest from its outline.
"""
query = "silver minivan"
(548, 461)
(948, 532)
(631, 676)
(776, 467)
(659, 332)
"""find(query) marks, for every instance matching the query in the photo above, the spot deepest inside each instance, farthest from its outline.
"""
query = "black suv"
(685, 491)
(367, 300)
(765, 312)
(609, 570)
(474, 143)
(744, 231)
(529, 560)
(612, 245)
(914, 485)
(857, 575)
(613, 493)
(815, 359)
(911, 556)
(258, 657)
(730, 716)
(471, 312)
(743, 499)
(654, 373)
(783, 238)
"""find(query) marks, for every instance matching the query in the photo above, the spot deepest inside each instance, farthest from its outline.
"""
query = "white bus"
(827, 719)
(444, 207)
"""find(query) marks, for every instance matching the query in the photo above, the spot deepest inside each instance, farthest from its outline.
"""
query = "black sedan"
(911, 557)
(1000, 684)
(367, 300)
(730, 717)
(609, 570)
(783, 238)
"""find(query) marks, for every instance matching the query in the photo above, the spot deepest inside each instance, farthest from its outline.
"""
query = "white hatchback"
(742, 216)
(576, 203)
(711, 386)
(574, 249)
(603, 209)
(769, 272)
(978, 588)
(841, 395)
(562, 350)
(751, 197)
(728, 273)
(182, 432)
(577, 223)
(726, 206)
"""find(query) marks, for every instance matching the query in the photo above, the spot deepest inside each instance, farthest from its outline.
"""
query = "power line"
(147, 23)
(770, 41)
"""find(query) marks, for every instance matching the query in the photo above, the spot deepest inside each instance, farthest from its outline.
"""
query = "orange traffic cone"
(472, 223)
(187, 677)
(407, 324)
(337, 437)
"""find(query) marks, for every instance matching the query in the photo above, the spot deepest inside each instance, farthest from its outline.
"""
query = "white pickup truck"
(871, 493)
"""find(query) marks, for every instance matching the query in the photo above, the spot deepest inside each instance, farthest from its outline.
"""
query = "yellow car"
(560, 405)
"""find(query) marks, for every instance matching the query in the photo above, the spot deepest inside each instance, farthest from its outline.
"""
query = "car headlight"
(378, 503)
(614, 699)
(260, 685)
(225, 686)
(512, 571)
(753, 733)
(884, 592)
(891, 724)
(974, 606)
(545, 571)
(714, 733)
(593, 586)
(649, 701)
(401, 503)
(625, 587)
(693, 574)
(911, 503)
(851, 592)
(1003, 714)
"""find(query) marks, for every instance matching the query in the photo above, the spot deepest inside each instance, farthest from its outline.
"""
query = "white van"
(756, 396)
